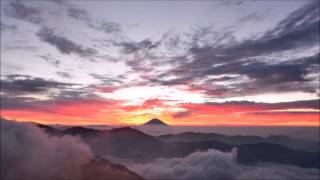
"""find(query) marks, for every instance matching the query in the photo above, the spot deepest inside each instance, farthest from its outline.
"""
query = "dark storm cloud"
(19, 10)
(63, 44)
(26, 84)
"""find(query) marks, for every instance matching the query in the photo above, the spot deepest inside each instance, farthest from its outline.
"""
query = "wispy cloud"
(19, 10)
(63, 44)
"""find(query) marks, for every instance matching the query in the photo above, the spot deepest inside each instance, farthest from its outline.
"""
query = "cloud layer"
(214, 164)
(28, 152)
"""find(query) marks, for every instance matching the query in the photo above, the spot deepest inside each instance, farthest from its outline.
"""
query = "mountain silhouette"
(103, 169)
(82, 132)
(129, 143)
(292, 143)
(156, 122)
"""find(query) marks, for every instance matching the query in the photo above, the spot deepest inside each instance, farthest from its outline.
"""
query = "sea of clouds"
(214, 164)
(27, 152)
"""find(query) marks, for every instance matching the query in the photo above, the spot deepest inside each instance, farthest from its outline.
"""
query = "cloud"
(39, 99)
(18, 10)
(233, 3)
(253, 16)
(78, 13)
(225, 112)
(313, 104)
(214, 164)
(82, 15)
(63, 44)
(279, 73)
(20, 84)
(50, 59)
(106, 79)
(64, 98)
(199, 165)
(278, 172)
(29, 153)
(150, 104)
(304, 18)
(107, 27)
(297, 112)
(255, 107)
(64, 74)
(23, 91)
(254, 63)
(107, 89)
(8, 27)
(132, 47)
(13, 102)
(182, 114)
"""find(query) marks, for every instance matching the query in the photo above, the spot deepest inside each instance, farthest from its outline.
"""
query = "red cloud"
(108, 89)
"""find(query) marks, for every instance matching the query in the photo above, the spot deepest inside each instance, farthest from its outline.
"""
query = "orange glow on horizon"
(113, 113)
(176, 105)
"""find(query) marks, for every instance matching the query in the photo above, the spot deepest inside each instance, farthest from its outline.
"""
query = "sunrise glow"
(254, 64)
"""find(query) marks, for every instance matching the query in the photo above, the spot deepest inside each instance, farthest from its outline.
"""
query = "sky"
(199, 63)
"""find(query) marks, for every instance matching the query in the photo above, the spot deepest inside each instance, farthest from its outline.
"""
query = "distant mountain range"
(293, 143)
(91, 168)
(129, 143)
(155, 122)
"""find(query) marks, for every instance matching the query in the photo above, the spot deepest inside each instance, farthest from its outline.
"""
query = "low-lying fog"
(302, 132)
(296, 132)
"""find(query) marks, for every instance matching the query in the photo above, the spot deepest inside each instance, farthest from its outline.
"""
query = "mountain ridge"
(144, 147)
